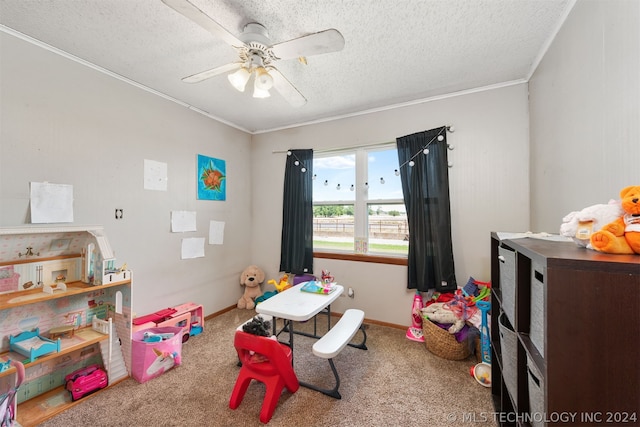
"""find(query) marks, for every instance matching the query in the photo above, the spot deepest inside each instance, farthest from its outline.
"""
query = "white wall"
(65, 123)
(585, 112)
(489, 187)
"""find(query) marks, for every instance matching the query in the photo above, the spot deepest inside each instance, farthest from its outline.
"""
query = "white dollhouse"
(63, 305)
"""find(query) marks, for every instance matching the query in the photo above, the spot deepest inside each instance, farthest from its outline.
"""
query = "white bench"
(334, 341)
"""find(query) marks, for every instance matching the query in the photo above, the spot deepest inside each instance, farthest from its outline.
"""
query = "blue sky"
(341, 170)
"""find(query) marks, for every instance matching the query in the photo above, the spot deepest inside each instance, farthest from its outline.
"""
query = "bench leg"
(334, 391)
(363, 344)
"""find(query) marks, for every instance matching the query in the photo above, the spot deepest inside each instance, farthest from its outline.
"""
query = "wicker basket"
(443, 344)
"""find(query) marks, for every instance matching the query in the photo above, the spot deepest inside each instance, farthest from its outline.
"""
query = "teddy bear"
(251, 278)
(622, 236)
(579, 225)
(439, 312)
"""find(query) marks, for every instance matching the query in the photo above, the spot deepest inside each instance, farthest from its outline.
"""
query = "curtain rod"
(450, 129)
(351, 147)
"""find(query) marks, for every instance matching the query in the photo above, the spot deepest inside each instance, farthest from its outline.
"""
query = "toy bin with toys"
(154, 351)
(188, 316)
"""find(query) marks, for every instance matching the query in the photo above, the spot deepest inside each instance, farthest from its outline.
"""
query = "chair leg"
(239, 390)
(272, 395)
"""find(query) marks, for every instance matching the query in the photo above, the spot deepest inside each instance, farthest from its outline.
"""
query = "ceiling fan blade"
(286, 89)
(195, 78)
(192, 12)
(313, 44)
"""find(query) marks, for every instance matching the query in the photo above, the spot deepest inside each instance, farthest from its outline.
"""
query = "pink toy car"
(86, 380)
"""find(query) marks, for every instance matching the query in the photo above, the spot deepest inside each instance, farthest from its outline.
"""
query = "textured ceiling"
(395, 52)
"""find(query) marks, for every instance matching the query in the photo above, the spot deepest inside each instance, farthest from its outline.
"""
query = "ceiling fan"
(257, 54)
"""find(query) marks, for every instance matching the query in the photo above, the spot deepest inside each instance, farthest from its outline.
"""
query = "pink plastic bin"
(151, 359)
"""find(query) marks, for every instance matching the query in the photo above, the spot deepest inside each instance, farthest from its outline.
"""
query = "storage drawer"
(536, 394)
(537, 329)
(507, 263)
(509, 347)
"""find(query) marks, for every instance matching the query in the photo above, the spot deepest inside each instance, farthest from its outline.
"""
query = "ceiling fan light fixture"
(260, 93)
(264, 81)
(239, 79)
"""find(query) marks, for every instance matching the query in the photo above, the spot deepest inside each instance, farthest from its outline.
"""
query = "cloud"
(335, 162)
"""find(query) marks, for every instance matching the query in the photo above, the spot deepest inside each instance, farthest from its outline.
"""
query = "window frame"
(361, 206)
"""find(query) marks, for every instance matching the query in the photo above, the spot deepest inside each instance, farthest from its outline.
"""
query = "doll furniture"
(32, 345)
(268, 361)
(9, 279)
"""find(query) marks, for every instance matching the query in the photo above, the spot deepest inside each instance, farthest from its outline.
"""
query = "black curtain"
(426, 198)
(296, 250)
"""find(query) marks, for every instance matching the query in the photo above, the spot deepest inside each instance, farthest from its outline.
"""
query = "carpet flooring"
(396, 382)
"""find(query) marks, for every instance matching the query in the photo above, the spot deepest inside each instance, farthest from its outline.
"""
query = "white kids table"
(294, 305)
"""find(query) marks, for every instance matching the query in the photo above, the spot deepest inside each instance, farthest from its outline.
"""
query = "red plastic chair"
(270, 364)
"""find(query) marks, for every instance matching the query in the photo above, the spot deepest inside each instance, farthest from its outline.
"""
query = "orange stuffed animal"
(622, 236)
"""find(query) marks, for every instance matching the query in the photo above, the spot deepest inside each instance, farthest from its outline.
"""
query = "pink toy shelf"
(188, 316)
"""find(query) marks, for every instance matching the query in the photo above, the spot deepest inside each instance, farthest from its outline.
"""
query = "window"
(357, 202)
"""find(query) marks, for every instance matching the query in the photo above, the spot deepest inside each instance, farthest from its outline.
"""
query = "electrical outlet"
(119, 213)
(351, 293)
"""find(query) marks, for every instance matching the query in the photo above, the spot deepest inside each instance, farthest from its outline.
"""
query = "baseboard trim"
(219, 313)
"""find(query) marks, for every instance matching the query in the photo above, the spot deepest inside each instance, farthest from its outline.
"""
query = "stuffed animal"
(439, 312)
(622, 236)
(251, 278)
(579, 225)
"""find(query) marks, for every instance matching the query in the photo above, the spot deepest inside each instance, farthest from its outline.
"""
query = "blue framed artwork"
(212, 178)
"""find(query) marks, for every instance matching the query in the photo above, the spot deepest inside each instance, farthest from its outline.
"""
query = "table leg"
(291, 339)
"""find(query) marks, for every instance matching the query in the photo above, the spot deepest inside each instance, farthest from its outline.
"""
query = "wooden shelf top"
(568, 255)
(81, 338)
(39, 409)
(16, 299)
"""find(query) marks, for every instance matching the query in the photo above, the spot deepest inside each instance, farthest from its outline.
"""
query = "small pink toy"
(414, 333)
(327, 277)
(86, 380)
